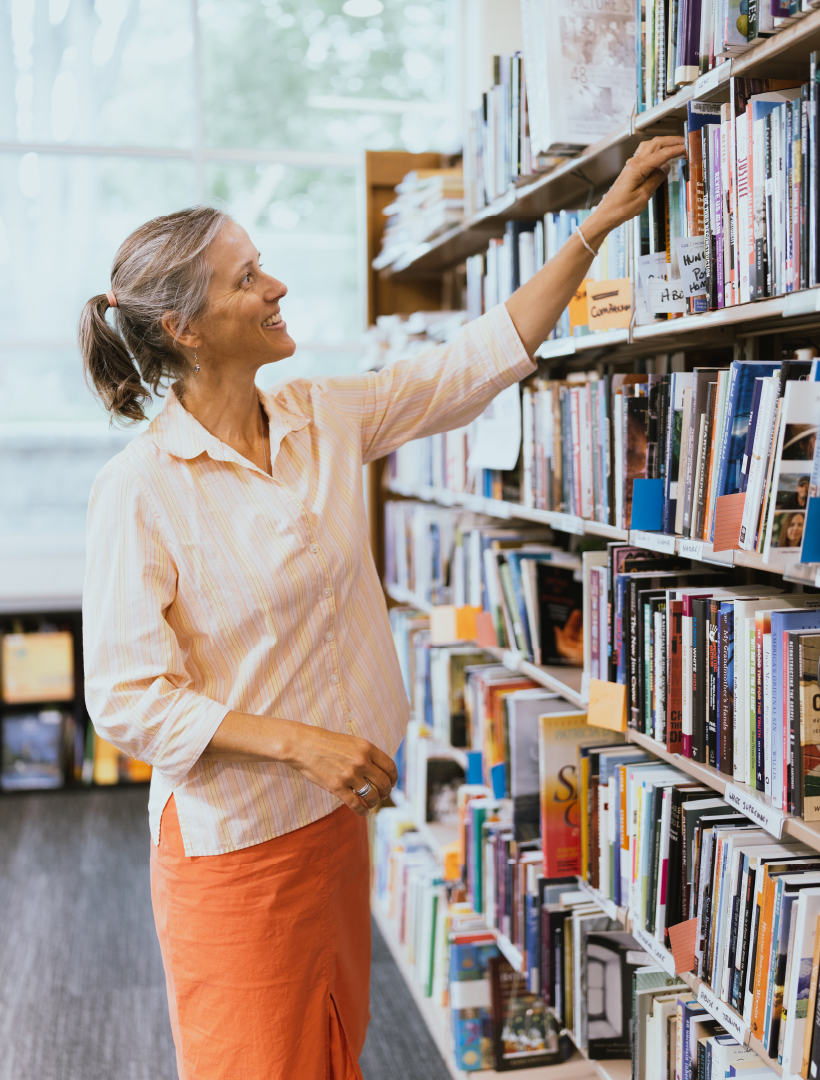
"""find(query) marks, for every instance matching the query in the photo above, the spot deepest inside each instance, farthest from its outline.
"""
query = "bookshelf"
(759, 325)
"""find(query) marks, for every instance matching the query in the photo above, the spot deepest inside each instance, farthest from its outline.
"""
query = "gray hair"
(161, 268)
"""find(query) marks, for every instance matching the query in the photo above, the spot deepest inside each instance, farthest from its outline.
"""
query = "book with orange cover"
(764, 944)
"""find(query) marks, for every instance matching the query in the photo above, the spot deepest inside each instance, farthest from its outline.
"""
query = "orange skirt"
(267, 952)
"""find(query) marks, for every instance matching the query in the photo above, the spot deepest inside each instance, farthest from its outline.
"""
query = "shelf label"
(607, 906)
(724, 1014)
(712, 79)
(652, 541)
(444, 497)
(476, 503)
(691, 549)
(497, 508)
(662, 957)
(511, 658)
(567, 523)
(766, 816)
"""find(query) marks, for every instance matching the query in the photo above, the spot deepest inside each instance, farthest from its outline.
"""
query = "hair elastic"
(112, 300)
(584, 241)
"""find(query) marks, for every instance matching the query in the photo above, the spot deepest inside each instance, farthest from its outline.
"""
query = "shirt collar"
(180, 434)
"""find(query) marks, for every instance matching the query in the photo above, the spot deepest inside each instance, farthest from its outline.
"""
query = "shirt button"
(329, 636)
(328, 592)
(334, 679)
(314, 548)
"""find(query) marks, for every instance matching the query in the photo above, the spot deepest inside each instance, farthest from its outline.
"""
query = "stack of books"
(428, 202)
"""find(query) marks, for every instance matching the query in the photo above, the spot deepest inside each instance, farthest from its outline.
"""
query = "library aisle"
(79, 952)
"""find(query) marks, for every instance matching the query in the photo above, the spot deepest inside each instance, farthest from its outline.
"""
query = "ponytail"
(109, 366)
(160, 269)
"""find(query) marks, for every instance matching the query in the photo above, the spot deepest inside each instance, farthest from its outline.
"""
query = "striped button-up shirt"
(212, 586)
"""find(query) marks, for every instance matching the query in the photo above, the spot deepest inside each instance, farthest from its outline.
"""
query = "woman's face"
(794, 533)
(243, 325)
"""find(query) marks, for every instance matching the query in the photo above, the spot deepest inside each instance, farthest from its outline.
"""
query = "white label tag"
(709, 80)
(652, 541)
(692, 264)
(651, 268)
(667, 297)
(724, 1014)
(498, 508)
(691, 549)
(567, 523)
(511, 658)
(607, 906)
(470, 994)
(444, 497)
(661, 956)
(767, 817)
(476, 503)
(509, 950)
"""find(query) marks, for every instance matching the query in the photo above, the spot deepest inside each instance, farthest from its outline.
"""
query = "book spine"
(673, 678)
(726, 651)
(712, 747)
(760, 783)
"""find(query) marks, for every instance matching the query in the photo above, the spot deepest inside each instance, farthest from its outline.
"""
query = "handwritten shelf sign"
(609, 304)
(692, 262)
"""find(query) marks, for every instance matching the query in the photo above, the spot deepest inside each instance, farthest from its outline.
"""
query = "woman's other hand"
(341, 764)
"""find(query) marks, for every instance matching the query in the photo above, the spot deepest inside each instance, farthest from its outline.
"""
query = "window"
(114, 111)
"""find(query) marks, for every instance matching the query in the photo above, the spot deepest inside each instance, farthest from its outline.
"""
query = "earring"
(196, 363)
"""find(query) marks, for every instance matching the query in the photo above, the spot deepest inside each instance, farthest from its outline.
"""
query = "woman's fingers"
(386, 764)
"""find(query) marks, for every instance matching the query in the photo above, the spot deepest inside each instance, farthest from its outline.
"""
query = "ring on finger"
(364, 791)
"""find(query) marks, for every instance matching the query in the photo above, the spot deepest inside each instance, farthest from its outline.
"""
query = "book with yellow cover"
(37, 667)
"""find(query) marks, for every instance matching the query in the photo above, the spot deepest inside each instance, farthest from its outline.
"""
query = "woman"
(236, 637)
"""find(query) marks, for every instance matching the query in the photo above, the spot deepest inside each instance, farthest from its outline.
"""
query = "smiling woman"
(235, 632)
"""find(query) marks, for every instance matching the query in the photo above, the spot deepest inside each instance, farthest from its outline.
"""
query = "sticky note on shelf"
(682, 940)
(728, 519)
(607, 705)
(609, 304)
(578, 309)
(647, 505)
(485, 634)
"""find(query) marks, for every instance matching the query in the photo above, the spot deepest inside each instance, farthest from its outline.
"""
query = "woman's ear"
(185, 336)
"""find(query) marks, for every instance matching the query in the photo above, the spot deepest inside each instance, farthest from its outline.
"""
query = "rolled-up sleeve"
(442, 388)
(138, 692)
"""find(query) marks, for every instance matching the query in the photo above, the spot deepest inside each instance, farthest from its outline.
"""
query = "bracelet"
(584, 241)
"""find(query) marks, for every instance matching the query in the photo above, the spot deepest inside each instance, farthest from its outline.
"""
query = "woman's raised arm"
(536, 307)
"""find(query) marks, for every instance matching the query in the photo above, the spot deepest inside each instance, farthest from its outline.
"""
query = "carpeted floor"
(82, 992)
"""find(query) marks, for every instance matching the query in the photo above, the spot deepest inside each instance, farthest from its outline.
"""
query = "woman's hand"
(638, 181)
(341, 764)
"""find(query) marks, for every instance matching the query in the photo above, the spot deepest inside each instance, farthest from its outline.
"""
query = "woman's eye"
(246, 280)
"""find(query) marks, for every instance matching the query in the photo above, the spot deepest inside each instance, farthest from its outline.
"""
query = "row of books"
(532, 589)
(581, 973)
(737, 220)
(747, 430)
(526, 246)
(682, 39)
(50, 748)
(722, 673)
(681, 859)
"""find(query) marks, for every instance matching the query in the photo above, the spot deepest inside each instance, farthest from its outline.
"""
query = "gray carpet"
(82, 992)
